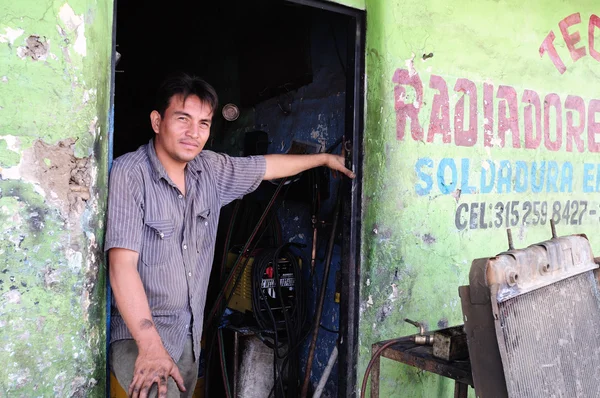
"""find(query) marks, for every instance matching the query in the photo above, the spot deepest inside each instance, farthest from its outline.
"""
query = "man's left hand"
(279, 166)
(337, 163)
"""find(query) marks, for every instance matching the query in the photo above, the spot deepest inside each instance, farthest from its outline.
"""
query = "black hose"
(272, 327)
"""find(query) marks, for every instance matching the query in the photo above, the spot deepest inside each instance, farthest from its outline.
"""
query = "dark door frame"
(351, 231)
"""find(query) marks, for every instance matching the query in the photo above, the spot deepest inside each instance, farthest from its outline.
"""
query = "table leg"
(461, 390)
(375, 374)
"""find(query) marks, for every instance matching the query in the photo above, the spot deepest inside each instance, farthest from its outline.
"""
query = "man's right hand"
(154, 365)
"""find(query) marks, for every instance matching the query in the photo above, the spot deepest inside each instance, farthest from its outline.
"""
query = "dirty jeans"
(123, 354)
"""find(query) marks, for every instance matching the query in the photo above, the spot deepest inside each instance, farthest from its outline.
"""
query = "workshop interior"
(281, 73)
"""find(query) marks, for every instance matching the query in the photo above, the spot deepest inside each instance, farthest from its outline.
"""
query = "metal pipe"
(236, 359)
(511, 246)
(416, 324)
(319, 309)
(313, 255)
(326, 373)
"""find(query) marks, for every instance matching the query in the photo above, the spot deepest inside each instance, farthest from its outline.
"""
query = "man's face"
(184, 130)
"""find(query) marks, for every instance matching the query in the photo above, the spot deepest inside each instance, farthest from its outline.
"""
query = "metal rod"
(553, 227)
(313, 256)
(319, 309)
(511, 246)
(326, 373)
(236, 359)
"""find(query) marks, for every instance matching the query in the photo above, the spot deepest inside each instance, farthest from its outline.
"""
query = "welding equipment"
(270, 287)
(256, 290)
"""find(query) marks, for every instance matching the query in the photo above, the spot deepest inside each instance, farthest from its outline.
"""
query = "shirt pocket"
(158, 242)
(202, 225)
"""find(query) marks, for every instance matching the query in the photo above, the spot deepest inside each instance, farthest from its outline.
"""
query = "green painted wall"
(54, 101)
(482, 77)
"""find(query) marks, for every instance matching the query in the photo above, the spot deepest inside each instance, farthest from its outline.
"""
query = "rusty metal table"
(421, 356)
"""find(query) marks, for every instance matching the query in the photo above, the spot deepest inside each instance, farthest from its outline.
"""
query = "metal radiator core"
(551, 340)
(532, 319)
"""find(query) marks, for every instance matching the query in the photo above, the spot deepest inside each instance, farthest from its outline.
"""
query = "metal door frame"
(351, 223)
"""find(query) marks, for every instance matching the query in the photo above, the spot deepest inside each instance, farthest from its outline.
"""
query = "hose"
(374, 358)
(235, 267)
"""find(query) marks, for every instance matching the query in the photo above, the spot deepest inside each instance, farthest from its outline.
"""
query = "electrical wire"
(251, 251)
(232, 221)
(240, 273)
(223, 364)
(293, 313)
(217, 333)
(291, 328)
(374, 358)
(329, 330)
(232, 273)
(293, 323)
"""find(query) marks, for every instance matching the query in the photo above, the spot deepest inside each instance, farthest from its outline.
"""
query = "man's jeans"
(123, 354)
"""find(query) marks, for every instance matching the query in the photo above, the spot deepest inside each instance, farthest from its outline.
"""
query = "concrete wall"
(480, 116)
(54, 101)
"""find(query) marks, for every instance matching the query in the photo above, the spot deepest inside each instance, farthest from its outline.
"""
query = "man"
(164, 203)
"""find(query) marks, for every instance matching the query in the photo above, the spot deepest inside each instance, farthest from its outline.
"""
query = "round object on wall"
(231, 112)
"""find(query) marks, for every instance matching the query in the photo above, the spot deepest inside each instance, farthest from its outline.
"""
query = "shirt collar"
(193, 166)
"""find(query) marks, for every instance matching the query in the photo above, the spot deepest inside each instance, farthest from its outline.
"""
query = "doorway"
(291, 74)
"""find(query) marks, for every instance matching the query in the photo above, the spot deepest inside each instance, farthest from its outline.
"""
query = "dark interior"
(249, 51)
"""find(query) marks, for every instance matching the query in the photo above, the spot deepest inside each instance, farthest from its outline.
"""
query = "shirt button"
(161, 235)
(180, 196)
(189, 274)
(184, 247)
(206, 223)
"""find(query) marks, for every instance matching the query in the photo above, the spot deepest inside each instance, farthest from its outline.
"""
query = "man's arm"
(279, 166)
(153, 364)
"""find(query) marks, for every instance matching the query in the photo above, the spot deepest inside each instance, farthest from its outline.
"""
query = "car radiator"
(532, 318)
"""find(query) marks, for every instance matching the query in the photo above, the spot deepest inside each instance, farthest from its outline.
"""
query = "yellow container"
(116, 391)
(241, 300)
(199, 390)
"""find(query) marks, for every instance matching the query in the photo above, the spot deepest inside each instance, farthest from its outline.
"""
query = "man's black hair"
(184, 85)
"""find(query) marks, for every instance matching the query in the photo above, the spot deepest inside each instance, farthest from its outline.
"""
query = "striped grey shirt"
(174, 234)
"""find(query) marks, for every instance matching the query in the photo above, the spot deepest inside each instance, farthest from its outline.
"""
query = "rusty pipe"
(421, 338)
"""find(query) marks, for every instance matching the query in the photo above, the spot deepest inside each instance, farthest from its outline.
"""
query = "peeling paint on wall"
(10, 35)
(35, 47)
(53, 159)
(74, 23)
